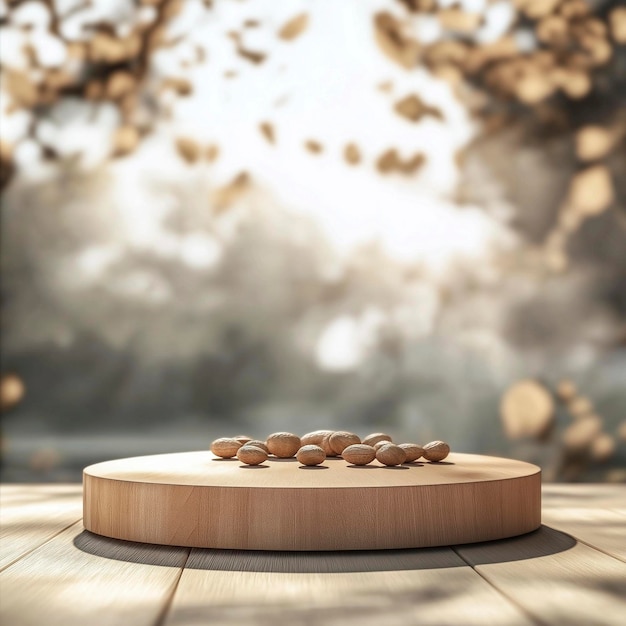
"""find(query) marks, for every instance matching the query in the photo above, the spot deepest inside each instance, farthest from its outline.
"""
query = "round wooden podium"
(195, 499)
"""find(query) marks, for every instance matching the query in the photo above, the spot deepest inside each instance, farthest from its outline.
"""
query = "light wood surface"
(574, 585)
(544, 577)
(30, 518)
(194, 499)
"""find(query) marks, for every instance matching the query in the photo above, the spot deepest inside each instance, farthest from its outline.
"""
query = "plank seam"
(40, 545)
(162, 616)
(505, 595)
(563, 529)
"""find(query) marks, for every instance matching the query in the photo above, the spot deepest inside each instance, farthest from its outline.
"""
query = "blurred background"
(245, 216)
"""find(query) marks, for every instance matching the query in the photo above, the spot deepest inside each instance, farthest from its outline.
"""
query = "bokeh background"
(250, 216)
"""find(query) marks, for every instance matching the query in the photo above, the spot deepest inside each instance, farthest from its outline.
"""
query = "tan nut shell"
(413, 451)
(391, 454)
(315, 438)
(379, 444)
(251, 455)
(258, 444)
(436, 451)
(325, 443)
(283, 445)
(226, 447)
(341, 439)
(311, 455)
(243, 439)
(374, 438)
(359, 454)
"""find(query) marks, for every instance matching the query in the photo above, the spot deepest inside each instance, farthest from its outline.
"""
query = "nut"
(374, 438)
(251, 455)
(258, 444)
(379, 444)
(243, 439)
(413, 451)
(436, 451)
(311, 455)
(391, 454)
(325, 443)
(359, 454)
(315, 438)
(283, 445)
(226, 447)
(341, 439)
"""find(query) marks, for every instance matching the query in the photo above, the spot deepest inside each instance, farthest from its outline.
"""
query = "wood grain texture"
(601, 528)
(196, 500)
(544, 577)
(428, 587)
(30, 516)
(588, 495)
(573, 585)
(61, 585)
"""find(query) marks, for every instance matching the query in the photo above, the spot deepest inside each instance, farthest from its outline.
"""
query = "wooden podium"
(195, 499)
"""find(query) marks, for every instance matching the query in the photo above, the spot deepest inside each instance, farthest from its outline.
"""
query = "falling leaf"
(413, 109)
(188, 149)
(393, 42)
(294, 27)
(250, 55)
(225, 196)
(313, 146)
(352, 154)
(390, 161)
(268, 131)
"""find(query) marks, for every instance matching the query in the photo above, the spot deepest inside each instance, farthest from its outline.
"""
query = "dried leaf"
(313, 146)
(294, 27)
(352, 154)
(413, 109)
(188, 149)
(225, 196)
(268, 131)
(393, 42)
(250, 55)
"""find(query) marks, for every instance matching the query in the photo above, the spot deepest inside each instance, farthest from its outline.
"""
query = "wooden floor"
(571, 571)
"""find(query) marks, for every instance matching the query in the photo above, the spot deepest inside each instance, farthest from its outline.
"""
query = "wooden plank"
(555, 578)
(31, 515)
(16, 494)
(399, 587)
(198, 500)
(601, 528)
(77, 578)
(595, 495)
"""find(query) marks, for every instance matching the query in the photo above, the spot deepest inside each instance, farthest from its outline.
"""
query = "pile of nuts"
(314, 448)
